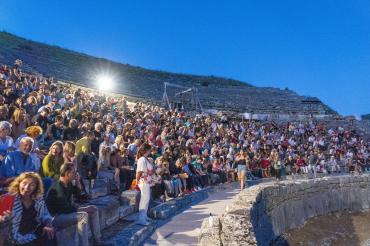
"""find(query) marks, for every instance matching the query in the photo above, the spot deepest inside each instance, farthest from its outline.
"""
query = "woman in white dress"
(144, 172)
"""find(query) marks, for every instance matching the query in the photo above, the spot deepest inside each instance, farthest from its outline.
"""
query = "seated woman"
(180, 177)
(301, 165)
(53, 161)
(162, 169)
(51, 164)
(20, 122)
(200, 170)
(158, 188)
(6, 142)
(104, 165)
(217, 169)
(30, 220)
(126, 173)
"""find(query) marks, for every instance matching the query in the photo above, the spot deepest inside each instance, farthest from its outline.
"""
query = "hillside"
(214, 92)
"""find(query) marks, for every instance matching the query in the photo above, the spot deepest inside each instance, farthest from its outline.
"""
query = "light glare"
(105, 83)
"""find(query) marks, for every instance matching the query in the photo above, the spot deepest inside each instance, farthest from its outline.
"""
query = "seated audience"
(60, 204)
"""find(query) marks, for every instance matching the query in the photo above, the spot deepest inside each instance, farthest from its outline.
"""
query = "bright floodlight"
(105, 83)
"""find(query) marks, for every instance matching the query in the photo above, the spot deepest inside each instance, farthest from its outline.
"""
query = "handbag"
(183, 176)
(134, 185)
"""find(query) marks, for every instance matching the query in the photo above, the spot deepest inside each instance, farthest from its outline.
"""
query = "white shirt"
(143, 165)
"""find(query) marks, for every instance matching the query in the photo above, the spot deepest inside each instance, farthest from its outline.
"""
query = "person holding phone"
(31, 223)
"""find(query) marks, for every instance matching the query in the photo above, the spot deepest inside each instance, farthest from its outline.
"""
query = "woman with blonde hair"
(31, 105)
(20, 122)
(117, 142)
(53, 161)
(30, 220)
(69, 150)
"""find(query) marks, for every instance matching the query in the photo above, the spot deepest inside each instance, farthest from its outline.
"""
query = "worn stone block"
(130, 197)
(99, 188)
(210, 232)
(126, 210)
(67, 236)
(108, 210)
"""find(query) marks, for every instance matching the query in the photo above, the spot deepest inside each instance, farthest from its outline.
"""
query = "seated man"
(17, 162)
(59, 203)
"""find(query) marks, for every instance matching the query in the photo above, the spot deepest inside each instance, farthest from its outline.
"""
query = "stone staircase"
(118, 213)
(113, 209)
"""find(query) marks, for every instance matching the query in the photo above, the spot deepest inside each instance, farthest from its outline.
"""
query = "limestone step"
(130, 197)
(99, 188)
(111, 214)
(127, 233)
(117, 216)
(109, 210)
(170, 208)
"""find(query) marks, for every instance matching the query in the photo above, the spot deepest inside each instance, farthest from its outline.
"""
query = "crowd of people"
(56, 140)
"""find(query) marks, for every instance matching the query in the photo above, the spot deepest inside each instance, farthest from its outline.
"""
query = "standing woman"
(144, 172)
(276, 163)
(241, 162)
(30, 220)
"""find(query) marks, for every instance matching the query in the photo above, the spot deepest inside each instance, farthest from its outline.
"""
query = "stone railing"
(261, 213)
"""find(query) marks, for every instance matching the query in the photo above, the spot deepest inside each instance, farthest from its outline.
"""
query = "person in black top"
(72, 133)
(59, 203)
(42, 119)
(99, 137)
(55, 131)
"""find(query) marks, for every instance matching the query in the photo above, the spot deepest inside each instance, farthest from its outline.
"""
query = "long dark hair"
(142, 150)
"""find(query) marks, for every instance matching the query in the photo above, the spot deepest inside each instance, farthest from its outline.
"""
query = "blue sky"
(318, 48)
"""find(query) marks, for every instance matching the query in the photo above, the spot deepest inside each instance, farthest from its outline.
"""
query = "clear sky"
(318, 47)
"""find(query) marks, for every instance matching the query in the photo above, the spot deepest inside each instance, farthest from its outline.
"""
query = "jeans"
(83, 220)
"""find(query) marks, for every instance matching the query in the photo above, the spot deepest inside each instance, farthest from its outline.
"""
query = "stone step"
(111, 213)
(127, 233)
(99, 188)
(118, 213)
(130, 197)
(109, 210)
(170, 208)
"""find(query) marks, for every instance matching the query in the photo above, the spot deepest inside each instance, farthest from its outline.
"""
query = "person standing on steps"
(144, 172)
(241, 161)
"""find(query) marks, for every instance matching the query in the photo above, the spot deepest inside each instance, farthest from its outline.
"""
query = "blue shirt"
(16, 163)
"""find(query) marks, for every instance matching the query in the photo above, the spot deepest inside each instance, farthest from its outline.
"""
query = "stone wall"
(259, 214)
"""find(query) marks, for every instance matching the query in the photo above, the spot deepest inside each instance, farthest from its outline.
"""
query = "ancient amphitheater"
(269, 213)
